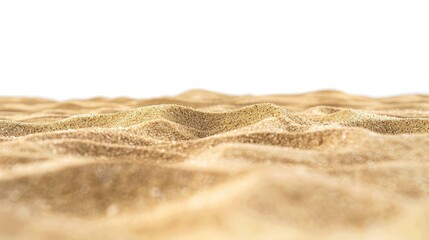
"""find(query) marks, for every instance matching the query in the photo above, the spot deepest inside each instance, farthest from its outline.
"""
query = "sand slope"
(321, 165)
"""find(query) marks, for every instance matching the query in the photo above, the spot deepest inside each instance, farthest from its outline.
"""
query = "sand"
(203, 165)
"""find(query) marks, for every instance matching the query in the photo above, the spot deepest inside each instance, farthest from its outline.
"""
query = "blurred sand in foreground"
(202, 165)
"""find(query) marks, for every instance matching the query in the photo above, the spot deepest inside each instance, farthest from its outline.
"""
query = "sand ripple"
(322, 165)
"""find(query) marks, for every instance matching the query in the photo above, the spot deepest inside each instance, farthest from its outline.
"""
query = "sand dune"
(321, 165)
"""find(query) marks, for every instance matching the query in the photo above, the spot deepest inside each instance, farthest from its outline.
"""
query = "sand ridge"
(321, 165)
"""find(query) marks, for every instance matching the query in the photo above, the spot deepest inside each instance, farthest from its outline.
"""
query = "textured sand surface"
(202, 165)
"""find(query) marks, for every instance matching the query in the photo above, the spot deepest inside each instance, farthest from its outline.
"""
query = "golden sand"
(202, 165)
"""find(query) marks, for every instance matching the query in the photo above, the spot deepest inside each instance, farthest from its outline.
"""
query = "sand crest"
(203, 165)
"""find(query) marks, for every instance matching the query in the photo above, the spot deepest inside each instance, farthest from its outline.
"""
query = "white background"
(78, 49)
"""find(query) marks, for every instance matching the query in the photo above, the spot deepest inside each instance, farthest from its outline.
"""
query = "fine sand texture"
(203, 165)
